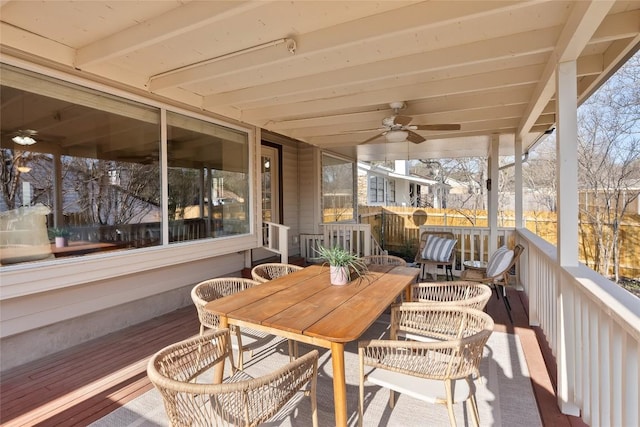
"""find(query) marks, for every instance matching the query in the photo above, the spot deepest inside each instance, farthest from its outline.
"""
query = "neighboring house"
(381, 186)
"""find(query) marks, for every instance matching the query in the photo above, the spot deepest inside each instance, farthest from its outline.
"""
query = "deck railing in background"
(356, 238)
(473, 242)
(592, 326)
(275, 238)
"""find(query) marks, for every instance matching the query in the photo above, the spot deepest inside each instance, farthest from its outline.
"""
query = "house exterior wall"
(39, 324)
(309, 183)
(290, 195)
(50, 305)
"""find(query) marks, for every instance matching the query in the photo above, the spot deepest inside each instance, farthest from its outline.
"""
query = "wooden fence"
(397, 229)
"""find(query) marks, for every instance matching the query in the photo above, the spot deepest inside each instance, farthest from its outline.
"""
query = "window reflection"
(93, 173)
(338, 193)
(208, 179)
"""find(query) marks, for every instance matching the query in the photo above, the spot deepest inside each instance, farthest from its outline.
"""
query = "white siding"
(290, 195)
(36, 325)
(309, 179)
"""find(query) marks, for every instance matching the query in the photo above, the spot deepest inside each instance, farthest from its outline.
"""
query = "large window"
(208, 179)
(85, 166)
(338, 195)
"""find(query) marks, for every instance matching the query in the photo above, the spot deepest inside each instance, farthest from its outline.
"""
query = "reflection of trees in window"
(184, 191)
(337, 189)
(109, 192)
(17, 167)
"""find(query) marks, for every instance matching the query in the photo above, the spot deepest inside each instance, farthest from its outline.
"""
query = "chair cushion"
(438, 248)
(427, 390)
(499, 261)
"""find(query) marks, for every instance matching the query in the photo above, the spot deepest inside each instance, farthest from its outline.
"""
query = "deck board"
(82, 384)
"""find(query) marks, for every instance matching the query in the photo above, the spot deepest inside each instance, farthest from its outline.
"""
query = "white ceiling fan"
(397, 128)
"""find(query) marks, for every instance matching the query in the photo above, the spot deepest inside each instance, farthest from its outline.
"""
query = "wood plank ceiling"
(325, 72)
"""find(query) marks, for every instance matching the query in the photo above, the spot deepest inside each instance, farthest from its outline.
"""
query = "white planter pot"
(339, 275)
(61, 242)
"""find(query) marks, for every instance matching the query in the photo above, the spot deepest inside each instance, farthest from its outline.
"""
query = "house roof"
(325, 72)
(393, 174)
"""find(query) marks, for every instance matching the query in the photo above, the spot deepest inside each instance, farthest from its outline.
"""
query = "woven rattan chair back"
(429, 371)
(182, 373)
(384, 260)
(212, 289)
(272, 270)
(460, 293)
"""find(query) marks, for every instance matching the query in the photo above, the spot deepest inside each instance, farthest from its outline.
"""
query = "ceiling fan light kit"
(399, 128)
(397, 136)
(25, 137)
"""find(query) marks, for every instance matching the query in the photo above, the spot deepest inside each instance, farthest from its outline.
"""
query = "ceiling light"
(397, 136)
(24, 169)
(25, 137)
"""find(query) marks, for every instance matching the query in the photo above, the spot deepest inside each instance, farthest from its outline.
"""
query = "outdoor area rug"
(504, 393)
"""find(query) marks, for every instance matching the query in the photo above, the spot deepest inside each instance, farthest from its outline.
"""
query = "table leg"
(218, 370)
(339, 383)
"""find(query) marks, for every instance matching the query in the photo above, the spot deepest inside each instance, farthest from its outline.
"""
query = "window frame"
(45, 275)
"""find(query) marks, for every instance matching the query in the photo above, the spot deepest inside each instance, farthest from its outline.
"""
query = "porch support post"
(518, 183)
(493, 193)
(567, 199)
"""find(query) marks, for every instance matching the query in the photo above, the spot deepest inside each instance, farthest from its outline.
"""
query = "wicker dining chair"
(247, 339)
(272, 270)
(182, 372)
(383, 260)
(459, 292)
(435, 372)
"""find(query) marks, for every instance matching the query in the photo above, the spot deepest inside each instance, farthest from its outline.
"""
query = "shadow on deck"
(84, 383)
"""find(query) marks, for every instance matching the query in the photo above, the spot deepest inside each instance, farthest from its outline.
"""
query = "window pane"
(338, 194)
(208, 179)
(92, 170)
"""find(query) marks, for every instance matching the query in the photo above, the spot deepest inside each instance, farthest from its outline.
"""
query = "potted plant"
(342, 264)
(60, 236)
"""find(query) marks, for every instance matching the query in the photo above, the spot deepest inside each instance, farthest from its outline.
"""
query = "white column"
(567, 198)
(518, 183)
(492, 208)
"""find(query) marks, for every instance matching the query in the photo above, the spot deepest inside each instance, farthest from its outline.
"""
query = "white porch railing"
(356, 238)
(473, 242)
(275, 238)
(592, 326)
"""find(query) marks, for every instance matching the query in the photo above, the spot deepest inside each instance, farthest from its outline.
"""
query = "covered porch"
(246, 85)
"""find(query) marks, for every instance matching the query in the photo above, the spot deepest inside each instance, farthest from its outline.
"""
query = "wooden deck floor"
(80, 385)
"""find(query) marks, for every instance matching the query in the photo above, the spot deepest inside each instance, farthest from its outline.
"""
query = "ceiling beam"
(505, 78)
(178, 21)
(423, 66)
(585, 18)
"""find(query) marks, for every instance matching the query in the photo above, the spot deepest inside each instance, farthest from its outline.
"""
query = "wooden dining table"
(304, 306)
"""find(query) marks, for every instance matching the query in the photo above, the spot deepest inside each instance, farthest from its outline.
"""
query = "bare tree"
(609, 165)
(539, 176)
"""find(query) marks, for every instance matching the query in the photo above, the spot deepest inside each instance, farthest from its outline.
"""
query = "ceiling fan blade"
(372, 138)
(414, 137)
(402, 120)
(445, 126)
